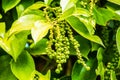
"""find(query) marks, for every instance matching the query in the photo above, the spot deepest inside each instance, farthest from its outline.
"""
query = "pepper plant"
(59, 40)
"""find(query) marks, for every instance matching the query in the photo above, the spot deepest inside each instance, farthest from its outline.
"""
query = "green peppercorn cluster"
(58, 45)
(60, 38)
(113, 65)
(105, 35)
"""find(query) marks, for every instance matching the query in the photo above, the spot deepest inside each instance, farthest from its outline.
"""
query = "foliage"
(59, 40)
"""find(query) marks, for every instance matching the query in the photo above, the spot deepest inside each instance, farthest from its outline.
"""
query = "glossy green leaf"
(40, 30)
(89, 24)
(5, 71)
(9, 4)
(66, 4)
(2, 29)
(39, 48)
(47, 2)
(115, 1)
(80, 73)
(16, 44)
(100, 15)
(26, 22)
(79, 27)
(84, 46)
(118, 39)
(112, 75)
(24, 67)
(0, 16)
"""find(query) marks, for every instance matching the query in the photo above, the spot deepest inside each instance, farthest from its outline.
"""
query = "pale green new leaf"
(24, 67)
(118, 39)
(89, 24)
(9, 4)
(20, 8)
(67, 13)
(24, 23)
(68, 8)
(66, 4)
(79, 27)
(82, 12)
(47, 2)
(40, 30)
(2, 29)
(115, 1)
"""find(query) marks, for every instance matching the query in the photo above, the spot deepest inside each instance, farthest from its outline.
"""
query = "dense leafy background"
(25, 26)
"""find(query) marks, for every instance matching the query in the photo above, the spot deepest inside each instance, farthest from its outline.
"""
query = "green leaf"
(112, 75)
(100, 15)
(99, 54)
(40, 30)
(19, 9)
(2, 29)
(16, 44)
(67, 13)
(80, 73)
(66, 4)
(84, 46)
(94, 46)
(5, 71)
(82, 12)
(89, 23)
(34, 6)
(118, 39)
(4, 46)
(100, 69)
(115, 1)
(23, 5)
(9, 4)
(39, 48)
(48, 2)
(24, 67)
(79, 27)
(44, 77)
(26, 22)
